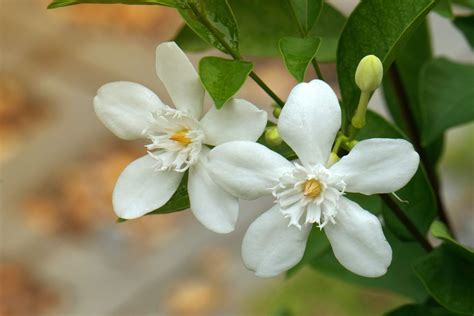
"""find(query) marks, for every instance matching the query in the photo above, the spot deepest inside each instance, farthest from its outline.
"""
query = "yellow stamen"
(312, 188)
(181, 137)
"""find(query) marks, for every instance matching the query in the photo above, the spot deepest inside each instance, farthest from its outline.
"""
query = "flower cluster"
(308, 191)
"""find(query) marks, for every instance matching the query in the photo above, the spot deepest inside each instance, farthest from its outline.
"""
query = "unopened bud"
(272, 136)
(369, 73)
(276, 111)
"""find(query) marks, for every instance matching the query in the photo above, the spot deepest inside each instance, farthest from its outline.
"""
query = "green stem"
(266, 88)
(414, 134)
(235, 54)
(317, 69)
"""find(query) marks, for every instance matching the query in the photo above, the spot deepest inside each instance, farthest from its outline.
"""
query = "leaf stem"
(403, 218)
(317, 69)
(235, 54)
(414, 134)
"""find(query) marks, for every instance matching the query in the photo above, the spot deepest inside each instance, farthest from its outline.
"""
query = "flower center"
(312, 188)
(176, 140)
(181, 137)
(309, 195)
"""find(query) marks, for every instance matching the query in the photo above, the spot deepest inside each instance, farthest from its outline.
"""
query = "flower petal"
(125, 108)
(246, 169)
(309, 121)
(180, 79)
(378, 165)
(216, 209)
(140, 189)
(358, 241)
(270, 246)
(237, 120)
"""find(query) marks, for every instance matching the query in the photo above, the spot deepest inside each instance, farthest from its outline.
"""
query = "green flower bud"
(276, 111)
(272, 136)
(369, 73)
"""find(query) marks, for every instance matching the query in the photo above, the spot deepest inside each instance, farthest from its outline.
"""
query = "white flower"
(314, 191)
(178, 139)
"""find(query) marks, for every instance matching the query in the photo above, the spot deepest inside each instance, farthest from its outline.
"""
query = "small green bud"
(276, 111)
(333, 158)
(272, 136)
(369, 73)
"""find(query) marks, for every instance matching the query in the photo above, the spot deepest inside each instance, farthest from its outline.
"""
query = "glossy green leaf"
(439, 230)
(223, 77)
(444, 9)
(64, 3)
(418, 201)
(399, 278)
(420, 310)
(449, 279)
(408, 65)
(466, 25)
(189, 41)
(446, 97)
(263, 23)
(202, 15)
(306, 12)
(298, 53)
(378, 27)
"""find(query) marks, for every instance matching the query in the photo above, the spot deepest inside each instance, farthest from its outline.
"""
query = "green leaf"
(420, 310)
(306, 12)
(443, 8)
(189, 41)
(378, 27)
(399, 277)
(408, 65)
(466, 25)
(223, 77)
(263, 23)
(298, 53)
(64, 3)
(419, 201)
(449, 278)
(446, 97)
(439, 230)
(216, 14)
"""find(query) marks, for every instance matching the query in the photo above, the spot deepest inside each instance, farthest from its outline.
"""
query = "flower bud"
(272, 136)
(276, 111)
(369, 73)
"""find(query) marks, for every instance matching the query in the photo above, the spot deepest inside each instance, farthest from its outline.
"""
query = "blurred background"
(62, 252)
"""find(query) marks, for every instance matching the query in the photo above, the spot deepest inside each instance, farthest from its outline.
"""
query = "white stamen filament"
(311, 190)
(176, 140)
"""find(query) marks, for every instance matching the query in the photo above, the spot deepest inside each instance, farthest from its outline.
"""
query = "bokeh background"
(62, 252)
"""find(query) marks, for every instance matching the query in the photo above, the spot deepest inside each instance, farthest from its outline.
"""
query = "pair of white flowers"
(308, 192)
